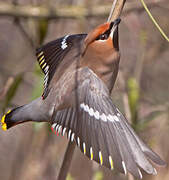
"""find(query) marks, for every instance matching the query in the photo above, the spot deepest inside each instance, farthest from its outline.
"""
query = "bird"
(80, 71)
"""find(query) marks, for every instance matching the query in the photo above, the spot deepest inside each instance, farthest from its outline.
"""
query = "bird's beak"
(114, 28)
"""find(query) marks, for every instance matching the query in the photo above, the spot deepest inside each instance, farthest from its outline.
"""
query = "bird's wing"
(101, 131)
(50, 55)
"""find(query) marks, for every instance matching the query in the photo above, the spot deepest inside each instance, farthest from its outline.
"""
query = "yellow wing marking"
(41, 62)
(40, 54)
(100, 157)
(111, 162)
(41, 58)
(91, 153)
(43, 66)
(84, 148)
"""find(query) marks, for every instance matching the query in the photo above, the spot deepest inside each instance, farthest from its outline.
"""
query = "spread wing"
(52, 54)
(101, 131)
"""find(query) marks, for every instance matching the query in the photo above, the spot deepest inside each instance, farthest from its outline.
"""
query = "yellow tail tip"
(3, 119)
(4, 125)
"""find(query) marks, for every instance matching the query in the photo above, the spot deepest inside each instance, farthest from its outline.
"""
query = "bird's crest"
(92, 36)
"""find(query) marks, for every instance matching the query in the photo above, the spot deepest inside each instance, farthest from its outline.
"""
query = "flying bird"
(80, 72)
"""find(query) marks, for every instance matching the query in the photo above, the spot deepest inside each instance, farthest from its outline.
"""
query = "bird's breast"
(104, 66)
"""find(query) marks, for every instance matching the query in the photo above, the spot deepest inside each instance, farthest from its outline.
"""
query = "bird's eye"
(102, 37)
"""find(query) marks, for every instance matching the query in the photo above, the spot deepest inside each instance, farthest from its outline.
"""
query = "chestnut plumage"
(80, 72)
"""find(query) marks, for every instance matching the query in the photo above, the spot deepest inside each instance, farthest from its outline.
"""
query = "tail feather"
(4, 125)
(8, 119)
(36, 111)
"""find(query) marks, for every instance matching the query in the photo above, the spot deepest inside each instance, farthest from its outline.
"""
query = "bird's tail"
(8, 121)
(34, 111)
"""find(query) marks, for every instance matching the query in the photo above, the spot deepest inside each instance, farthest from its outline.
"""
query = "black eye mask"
(106, 34)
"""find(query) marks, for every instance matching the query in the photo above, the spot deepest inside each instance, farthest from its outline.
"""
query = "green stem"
(154, 21)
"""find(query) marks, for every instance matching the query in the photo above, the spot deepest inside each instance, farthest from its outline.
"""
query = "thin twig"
(112, 10)
(25, 34)
(117, 9)
(8, 84)
(154, 21)
(66, 161)
(21, 28)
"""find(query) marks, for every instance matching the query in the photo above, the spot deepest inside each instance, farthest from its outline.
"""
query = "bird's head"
(103, 38)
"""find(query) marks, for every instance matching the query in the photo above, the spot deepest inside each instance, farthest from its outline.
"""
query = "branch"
(116, 9)
(74, 12)
(66, 161)
(112, 10)
(154, 21)
(8, 84)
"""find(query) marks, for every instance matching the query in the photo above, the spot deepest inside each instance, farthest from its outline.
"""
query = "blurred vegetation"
(11, 92)
(69, 177)
(144, 63)
(42, 29)
(133, 96)
(98, 175)
(38, 87)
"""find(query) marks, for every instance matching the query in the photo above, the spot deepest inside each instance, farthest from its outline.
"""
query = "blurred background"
(31, 151)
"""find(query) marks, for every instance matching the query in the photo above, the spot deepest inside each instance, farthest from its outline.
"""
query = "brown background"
(32, 152)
